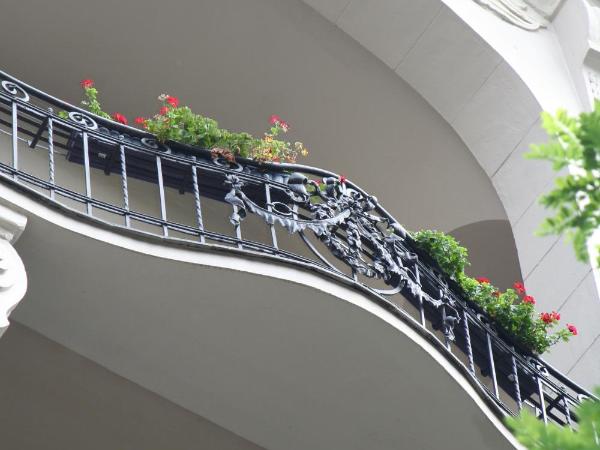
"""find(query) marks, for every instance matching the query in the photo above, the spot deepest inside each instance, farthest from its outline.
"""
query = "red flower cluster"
(550, 317)
(529, 299)
(163, 110)
(572, 329)
(343, 179)
(276, 120)
(118, 117)
(483, 280)
(173, 101)
(87, 83)
(519, 287)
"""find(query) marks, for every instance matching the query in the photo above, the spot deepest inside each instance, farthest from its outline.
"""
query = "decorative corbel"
(13, 278)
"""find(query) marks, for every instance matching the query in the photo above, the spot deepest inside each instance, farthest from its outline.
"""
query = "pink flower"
(519, 287)
(284, 126)
(118, 117)
(529, 299)
(163, 110)
(572, 329)
(483, 280)
(87, 83)
(555, 316)
(173, 101)
(274, 119)
(343, 179)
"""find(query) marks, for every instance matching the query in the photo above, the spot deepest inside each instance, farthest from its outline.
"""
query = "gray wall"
(53, 399)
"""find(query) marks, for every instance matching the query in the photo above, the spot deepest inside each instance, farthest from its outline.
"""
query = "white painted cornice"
(13, 278)
(527, 14)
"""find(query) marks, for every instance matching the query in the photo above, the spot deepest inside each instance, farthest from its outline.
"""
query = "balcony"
(114, 180)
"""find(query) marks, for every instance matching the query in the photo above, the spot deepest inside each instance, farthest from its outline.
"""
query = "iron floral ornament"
(343, 220)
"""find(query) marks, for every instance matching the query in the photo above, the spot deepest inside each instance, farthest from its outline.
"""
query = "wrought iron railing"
(308, 216)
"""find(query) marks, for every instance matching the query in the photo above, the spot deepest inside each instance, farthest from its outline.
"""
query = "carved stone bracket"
(13, 278)
(527, 14)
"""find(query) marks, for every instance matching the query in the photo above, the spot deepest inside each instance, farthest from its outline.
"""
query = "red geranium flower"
(118, 117)
(546, 317)
(173, 101)
(284, 126)
(87, 83)
(483, 280)
(555, 316)
(529, 299)
(274, 119)
(342, 179)
(572, 329)
(139, 120)
(519, 287)
(163, 110)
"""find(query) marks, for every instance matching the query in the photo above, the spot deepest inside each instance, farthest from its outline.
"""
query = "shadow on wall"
(492, 251)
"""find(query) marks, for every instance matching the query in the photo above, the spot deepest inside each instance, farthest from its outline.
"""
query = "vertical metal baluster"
(515, 374)
(86, 168)
(270, 209)
(124, 186)
(51, 154)
(468, 341)
(447, 341)
(197, 200)
(161, 193)
(567, 411)
(238, 227)
(421, 305)
(15, 139)
(492, 365)
(542, 399)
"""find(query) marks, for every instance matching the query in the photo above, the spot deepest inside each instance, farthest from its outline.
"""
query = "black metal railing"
(293, 213)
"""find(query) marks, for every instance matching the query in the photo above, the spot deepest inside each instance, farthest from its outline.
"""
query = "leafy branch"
(536, 435)
(575, 198)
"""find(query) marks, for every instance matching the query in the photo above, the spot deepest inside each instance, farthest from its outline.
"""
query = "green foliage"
(535, 435)
(575, 199)
(91, 102)
(445, 250)
(181, 124)
(512, 311)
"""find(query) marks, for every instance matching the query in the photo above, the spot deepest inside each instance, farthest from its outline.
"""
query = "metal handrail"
(344, 218)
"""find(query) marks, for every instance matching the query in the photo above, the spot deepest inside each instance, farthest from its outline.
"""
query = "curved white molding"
(222, 260)
(13, 278)
(530, 15)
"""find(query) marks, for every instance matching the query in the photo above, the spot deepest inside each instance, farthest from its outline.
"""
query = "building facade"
(162, 297)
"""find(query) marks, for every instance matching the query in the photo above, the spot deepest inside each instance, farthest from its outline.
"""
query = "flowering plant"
(180, 124)
(513, 310)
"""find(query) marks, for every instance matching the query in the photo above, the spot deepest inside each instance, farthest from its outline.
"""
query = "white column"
(13, 278)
